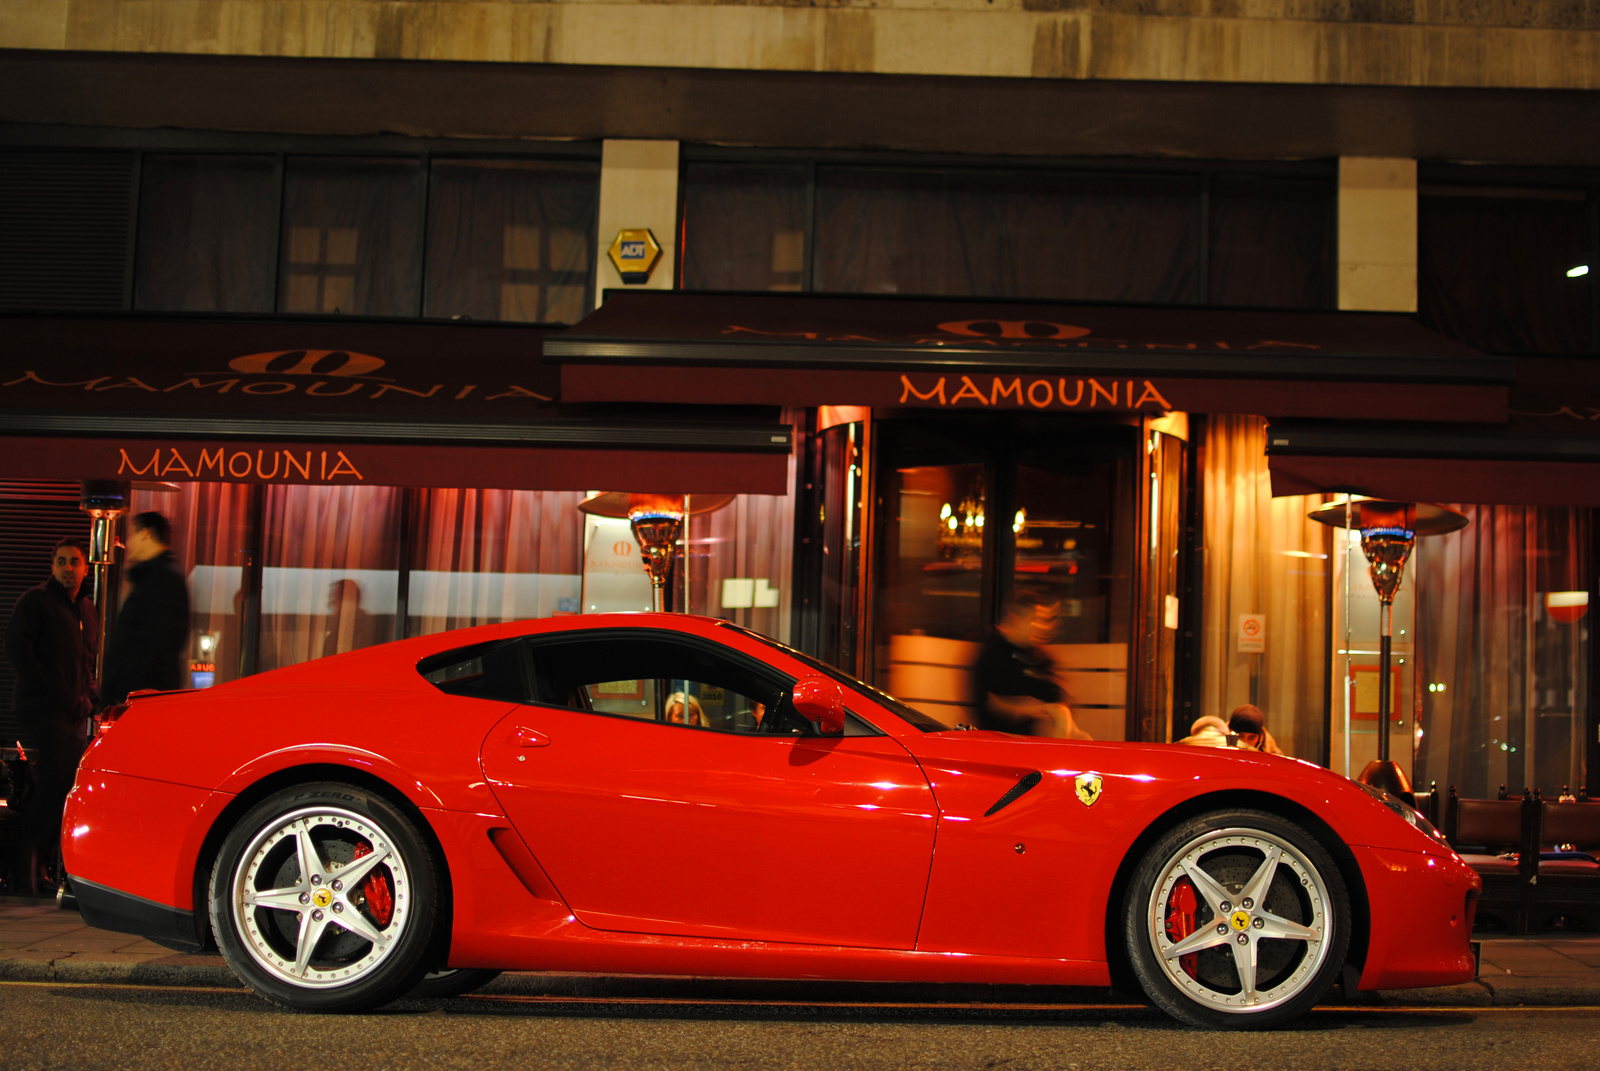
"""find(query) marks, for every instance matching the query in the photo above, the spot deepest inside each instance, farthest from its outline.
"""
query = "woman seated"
(683, 709)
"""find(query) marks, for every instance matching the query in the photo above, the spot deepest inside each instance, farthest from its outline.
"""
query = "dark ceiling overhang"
(425, 404)
(806, 349)
(1548, 453)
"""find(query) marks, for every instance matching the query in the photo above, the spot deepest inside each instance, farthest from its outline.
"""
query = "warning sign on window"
(1252, 633)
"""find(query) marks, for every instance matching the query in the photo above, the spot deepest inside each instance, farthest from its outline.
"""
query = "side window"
(496, 670)
(668, 681)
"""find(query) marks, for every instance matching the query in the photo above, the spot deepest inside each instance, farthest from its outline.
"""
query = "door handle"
(522, 736)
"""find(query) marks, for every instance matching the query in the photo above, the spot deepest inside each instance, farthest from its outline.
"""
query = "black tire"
(453, 983)
(1264, 942)
(307, 937)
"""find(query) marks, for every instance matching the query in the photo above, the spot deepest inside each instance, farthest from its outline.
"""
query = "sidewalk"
(39, 943)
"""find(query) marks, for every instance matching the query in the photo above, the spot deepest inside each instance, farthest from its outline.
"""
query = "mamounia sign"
(1030, 392)
(262, 465)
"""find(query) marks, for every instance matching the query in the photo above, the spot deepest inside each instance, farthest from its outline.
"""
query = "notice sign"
(1252, 633)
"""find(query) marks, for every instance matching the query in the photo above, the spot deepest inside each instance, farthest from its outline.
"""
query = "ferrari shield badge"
(1088, 786)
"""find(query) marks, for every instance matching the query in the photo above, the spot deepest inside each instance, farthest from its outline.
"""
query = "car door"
(737, 821)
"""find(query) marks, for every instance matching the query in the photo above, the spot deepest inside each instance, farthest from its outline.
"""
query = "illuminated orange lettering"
(223, 385)
(130, 382)
(464, 391)
(1061, 386)
(1150, 394)
(907, 390)
(209, 460)
(968, 390)
(233, 469)
(517, 392)
(1096, 392)
(268, 388)
(324, 464)
(33, 377)
(266, 475)
(998, 390)
(306, 362)
(129, 466)
(1034, 329)
(1049, 393)
(344, 468)
(437, 387)
(305, 470)
(176, 462)
(349, 389)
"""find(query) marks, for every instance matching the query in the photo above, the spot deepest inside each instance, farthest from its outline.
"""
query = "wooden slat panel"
(943, 684)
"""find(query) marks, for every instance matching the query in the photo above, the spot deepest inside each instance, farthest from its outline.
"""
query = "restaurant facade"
(372, 377)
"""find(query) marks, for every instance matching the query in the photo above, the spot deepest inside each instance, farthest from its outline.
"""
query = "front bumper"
(1421, 908)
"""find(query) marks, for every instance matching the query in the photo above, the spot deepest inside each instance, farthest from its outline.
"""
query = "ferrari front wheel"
(1237, 918)
(323, 898)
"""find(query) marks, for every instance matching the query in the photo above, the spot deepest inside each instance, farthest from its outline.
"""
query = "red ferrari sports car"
(661, 794)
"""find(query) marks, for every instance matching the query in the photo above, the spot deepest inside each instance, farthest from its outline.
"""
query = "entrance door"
(667, 786)
(973, 511)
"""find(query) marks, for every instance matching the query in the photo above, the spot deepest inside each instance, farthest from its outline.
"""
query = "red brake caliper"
(1181, 908)
(380, 901)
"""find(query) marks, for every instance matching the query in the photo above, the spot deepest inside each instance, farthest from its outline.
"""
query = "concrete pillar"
(1377, 234)
(638, 188)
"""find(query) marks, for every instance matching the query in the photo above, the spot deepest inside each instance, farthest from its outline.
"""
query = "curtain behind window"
(1012, 234)
(352, 236)
(330, 576)
(1271, 242)
(512, 240)
(206, 240)
(1262, 556)
(1508, 702)
(744, 226)
(1492, 268)
(482, 556)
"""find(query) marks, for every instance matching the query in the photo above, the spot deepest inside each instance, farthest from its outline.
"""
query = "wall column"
(1377, 234)
(638, 188)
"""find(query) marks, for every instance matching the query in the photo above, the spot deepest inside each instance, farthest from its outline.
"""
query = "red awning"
(802, 349)
(1548, 454)
(335, 401)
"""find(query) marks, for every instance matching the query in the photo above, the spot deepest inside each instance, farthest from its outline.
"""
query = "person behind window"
(684, 709)
(1014, 679)
(1210, 731)
(1250, 726)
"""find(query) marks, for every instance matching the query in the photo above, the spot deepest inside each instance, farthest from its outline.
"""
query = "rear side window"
(495, 670)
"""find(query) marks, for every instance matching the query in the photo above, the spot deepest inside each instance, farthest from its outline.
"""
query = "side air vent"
(1015, 792)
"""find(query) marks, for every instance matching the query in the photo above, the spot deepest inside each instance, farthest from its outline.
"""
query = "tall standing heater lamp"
(1388, 532)
(658, 526)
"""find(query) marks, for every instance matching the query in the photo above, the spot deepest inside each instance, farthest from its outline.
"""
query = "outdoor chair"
(1569, 880)
(1498, 839)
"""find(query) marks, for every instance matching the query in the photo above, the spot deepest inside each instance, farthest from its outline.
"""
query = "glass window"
(665, 680)
(352, 237)
(330, 577)
(483, 556)
(1007, 234)
(1271, 242)
(206, 233)
(1493, 263)
(512, 240)
(744, 226)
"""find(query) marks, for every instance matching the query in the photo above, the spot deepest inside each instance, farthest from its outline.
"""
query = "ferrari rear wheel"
(453, 983)
(323, 898)
(1237, 918)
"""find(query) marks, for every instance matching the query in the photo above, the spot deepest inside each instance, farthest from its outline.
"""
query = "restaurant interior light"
(1581, 269)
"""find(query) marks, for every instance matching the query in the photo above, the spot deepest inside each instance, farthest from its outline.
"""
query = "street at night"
(89, 1026)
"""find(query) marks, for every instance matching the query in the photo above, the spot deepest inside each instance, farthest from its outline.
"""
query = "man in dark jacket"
(52, 639)
(149, 645)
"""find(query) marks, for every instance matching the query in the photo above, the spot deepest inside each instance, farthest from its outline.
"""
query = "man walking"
(149, 645)
(51, 640)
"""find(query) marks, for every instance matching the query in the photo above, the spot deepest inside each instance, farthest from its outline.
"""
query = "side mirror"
(820, 700)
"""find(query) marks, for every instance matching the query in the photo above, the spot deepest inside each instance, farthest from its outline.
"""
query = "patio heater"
(1388, 532)
(105, 501)
(658, 526)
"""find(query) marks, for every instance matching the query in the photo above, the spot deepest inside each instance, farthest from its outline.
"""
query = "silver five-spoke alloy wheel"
(323, 898)
(1238, 918)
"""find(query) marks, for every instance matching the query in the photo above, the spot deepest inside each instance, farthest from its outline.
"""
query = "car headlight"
(1404, 810)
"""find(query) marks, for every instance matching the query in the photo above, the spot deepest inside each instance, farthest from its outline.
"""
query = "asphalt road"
(49, 1025)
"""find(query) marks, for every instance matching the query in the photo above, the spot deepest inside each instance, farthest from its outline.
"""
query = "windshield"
(888, 702)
